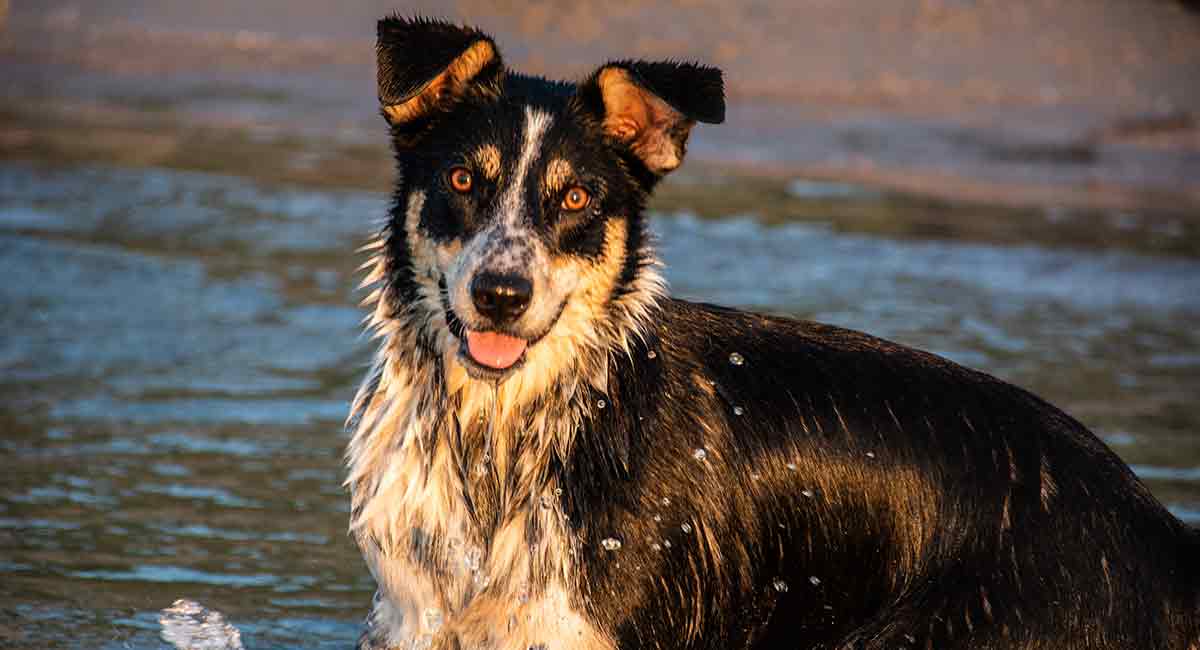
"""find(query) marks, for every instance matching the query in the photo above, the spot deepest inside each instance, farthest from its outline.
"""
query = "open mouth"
(495, 350)
(490, 355)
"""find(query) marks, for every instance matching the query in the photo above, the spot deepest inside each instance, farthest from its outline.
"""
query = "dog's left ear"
(651, 107)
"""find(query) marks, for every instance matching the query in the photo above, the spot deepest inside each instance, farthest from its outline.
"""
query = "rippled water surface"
(178, 352)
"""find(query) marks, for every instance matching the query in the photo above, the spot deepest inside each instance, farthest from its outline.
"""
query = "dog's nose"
(501, 298)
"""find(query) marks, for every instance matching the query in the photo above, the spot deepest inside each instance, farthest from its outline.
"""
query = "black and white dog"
(550, 452)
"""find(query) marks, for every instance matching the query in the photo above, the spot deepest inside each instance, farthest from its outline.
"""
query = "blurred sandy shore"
(1078, 104)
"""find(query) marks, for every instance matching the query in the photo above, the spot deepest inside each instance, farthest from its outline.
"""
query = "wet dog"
(550, 452)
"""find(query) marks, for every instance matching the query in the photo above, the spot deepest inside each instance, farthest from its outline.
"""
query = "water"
(179, 350)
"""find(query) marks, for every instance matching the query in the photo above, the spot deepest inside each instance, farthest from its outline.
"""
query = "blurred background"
(1014, 185)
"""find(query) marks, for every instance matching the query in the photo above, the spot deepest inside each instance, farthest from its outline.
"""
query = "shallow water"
(179, 350)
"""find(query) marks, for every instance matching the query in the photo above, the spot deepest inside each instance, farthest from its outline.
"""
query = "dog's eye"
(461, 179)
(576, 199)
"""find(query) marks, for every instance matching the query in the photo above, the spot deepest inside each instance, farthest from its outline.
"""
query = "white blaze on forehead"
(536, 123)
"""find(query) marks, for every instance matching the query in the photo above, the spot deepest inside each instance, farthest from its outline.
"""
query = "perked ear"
(653, 106)
(424, 65)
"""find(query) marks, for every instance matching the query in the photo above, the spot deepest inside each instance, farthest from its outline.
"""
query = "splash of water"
(187, 625)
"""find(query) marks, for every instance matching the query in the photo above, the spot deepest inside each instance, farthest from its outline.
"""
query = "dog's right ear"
(426, 66)
(651, 107)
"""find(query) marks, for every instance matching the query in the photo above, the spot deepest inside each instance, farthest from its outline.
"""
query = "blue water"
(179, 349)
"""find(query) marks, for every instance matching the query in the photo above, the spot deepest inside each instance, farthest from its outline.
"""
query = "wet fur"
(632, 484)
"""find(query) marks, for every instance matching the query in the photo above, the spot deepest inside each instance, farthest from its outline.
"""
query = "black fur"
(411, 53)
(857, 419)
(697, 91)
(783, 484)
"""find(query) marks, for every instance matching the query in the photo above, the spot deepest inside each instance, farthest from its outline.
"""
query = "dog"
(549, 452)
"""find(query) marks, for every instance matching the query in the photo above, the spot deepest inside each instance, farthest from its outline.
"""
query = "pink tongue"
(493, 349)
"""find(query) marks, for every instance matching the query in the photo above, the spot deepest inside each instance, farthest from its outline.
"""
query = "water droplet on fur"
(814, 580)
(433, 619)
(736, 359)
(601, 404)
(754, 476)
(610, 543)
(657, 518)
(910, 638)
(700, 454)
(487, 458)
(651, 354)
(687, 528)
(791, 467)
(655, 547)
(558, 492)
(870, 454)
(779, 585)
(666, 501)
(737, 410)
(666, 543)
(807, 493)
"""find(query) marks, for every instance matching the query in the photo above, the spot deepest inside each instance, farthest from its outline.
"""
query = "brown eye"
(461, 180)
(576, 198)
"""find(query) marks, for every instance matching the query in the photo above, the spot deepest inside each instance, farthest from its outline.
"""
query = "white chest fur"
(459, 522)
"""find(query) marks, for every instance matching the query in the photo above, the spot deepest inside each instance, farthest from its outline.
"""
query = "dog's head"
(516, 238)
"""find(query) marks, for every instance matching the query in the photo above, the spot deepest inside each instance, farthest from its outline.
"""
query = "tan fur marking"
(597, 281)
(450, 82)
(637, 116)
(558, 173)
(488, 159)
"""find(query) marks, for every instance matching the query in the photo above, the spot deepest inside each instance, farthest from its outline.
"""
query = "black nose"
(501, 298)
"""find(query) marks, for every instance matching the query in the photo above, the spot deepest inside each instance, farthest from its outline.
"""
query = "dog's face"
(517, 229)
